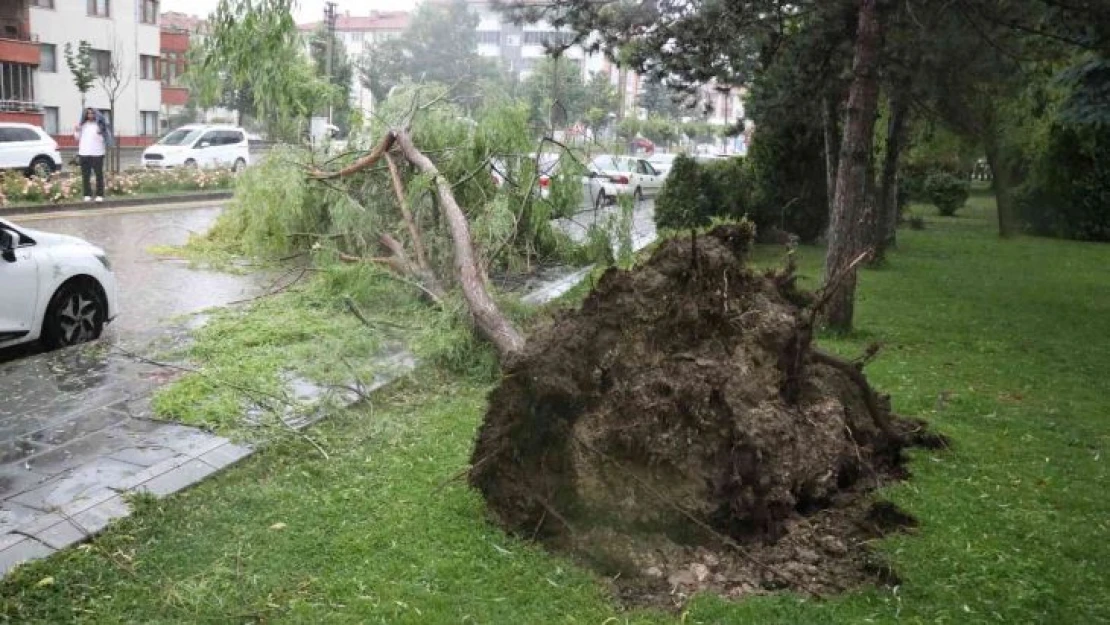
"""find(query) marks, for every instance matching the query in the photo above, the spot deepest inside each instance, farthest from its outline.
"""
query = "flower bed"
(17, 189)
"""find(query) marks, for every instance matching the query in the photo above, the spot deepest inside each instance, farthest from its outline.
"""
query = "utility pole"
(329, 19)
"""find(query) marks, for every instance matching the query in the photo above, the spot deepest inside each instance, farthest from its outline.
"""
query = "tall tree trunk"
(1003, 182)
(831, 125)
(488, 318)
(886, 226)
(848, 227)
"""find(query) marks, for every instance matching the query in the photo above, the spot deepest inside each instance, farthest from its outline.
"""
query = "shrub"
(683, 202)
(1068, 192)
(947, 192)
(787, 177)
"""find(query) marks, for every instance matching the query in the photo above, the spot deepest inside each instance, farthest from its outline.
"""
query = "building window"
(43, 4)
(148, 67)
(149, 123)
(492, 37)
(50, 120)
(48, 57)
(550, 37)
(17, 87)
(149, 11)
(101, 62)
(99, 8)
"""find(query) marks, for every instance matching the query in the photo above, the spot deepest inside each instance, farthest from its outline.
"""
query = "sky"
(307, 11)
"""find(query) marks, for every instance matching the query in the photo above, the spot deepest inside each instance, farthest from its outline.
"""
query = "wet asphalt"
(152, 290)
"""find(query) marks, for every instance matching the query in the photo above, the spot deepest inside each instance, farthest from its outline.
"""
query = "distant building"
(359, 33)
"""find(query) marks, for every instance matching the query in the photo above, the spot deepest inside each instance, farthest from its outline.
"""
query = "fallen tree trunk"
(484, 313)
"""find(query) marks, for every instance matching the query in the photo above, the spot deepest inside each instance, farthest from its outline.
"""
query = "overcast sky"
(307, 11)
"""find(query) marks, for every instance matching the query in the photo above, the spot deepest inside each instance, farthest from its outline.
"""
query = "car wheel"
(75, 315)
(42, 167)
(191, 164)
(239, 165)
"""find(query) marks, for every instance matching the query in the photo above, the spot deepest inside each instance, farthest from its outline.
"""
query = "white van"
(200, 146)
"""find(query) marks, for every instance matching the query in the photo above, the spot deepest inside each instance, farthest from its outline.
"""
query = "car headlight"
(103, 258)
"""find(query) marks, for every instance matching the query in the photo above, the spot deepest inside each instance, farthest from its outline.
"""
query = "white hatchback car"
(28, 149)
(202, 146)
(56, 288)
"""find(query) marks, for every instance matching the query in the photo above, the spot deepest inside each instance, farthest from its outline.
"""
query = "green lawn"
(1003, 346)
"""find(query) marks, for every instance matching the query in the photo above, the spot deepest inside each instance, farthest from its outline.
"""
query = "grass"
(1001, 345)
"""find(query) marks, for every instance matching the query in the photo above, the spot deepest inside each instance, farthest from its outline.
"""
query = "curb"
(180, 198)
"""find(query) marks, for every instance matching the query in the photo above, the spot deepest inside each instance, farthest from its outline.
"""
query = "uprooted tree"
(681, 428)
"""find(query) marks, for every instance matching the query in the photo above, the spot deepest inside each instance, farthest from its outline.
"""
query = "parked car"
(548, 167)
(28, 149)
(203, 146)
(663, 163)
(58, 289)
(624, 175)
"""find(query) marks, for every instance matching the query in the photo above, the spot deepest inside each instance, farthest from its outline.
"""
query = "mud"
(680, 433)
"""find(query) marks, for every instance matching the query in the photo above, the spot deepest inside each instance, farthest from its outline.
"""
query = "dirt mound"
(679, 432)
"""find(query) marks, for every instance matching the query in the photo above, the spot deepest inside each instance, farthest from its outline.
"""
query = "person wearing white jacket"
(93, 138)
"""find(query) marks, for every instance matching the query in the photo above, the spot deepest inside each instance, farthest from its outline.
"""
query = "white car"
(57, 289)
(203, 146)
(663, 163)
(28, 149)
(624, 175)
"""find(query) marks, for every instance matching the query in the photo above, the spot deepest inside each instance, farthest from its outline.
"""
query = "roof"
(174, 21)
(376, 21)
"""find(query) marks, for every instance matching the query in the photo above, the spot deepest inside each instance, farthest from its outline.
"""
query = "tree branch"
(486, 315)
(406, 213)
(369, 160)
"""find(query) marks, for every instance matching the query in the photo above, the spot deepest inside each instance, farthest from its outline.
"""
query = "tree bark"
(886, 230)
(848, 228)
(487, 317)
(831, 125)
(1002, 183)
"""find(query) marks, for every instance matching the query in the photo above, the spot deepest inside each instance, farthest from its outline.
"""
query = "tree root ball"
(679, 430)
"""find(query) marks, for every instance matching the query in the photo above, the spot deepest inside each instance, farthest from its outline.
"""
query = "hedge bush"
(1068, 192)
(947, 192)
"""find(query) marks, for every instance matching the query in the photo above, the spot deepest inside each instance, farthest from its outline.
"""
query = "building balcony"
(174, 96)
(17, 45)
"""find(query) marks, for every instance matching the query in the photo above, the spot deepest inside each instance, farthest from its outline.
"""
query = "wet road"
(151, 290)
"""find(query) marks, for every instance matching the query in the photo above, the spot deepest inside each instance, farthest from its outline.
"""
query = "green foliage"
(947, 192)
(440, 45)
(789, 190)
(80, 65)
(255, 48)
(555, 93)
(1068, 192)
(683, 202)
(601, 100)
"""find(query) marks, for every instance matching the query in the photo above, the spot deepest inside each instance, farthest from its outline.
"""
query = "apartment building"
(125, 39)
(359, 33)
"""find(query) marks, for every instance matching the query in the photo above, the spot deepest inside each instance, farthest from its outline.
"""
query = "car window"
(181, 136)
(210, 138)
(9, 135)
(612, 163)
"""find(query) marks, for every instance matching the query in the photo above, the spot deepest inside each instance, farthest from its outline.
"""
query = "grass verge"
(1000, 344)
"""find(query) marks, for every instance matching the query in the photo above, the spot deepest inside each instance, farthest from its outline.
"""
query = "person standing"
(93, 139)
